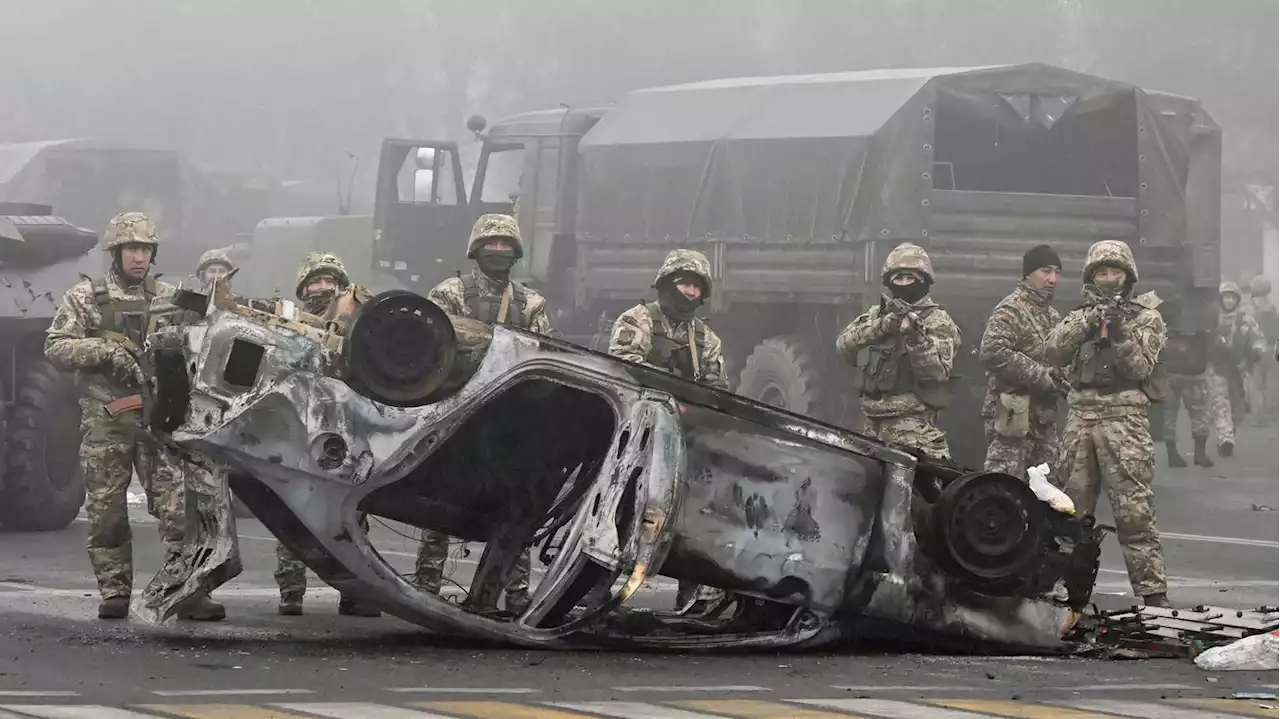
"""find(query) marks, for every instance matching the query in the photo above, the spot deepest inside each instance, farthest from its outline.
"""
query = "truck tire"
(43, 486)
(783, 373)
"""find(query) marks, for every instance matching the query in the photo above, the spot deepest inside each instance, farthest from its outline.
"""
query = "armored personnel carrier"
(41, 256)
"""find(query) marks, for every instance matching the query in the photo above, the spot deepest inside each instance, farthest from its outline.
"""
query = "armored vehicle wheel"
(43, 486)
(781, 372)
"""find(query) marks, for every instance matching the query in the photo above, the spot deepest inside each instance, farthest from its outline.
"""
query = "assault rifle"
(900, 308)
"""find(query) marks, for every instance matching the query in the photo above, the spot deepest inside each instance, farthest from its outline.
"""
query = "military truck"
(41, 256)
(797, 187)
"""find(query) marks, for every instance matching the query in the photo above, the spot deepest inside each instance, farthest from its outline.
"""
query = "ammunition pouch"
(1013, 415)
(883, 370)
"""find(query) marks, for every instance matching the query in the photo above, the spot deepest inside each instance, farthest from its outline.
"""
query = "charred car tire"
(989, 527)
(783, 373)
(43, 485)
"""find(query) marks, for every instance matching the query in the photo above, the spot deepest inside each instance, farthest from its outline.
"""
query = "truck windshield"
(502, 166)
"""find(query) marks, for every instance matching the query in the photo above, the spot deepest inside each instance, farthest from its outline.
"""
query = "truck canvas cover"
(860, 156)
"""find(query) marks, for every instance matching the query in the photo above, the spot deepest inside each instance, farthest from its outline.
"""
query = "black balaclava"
(674, 304)
(496, 264)
(911, 293)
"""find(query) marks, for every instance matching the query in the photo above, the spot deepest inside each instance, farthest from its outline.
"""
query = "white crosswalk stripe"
(506, 706)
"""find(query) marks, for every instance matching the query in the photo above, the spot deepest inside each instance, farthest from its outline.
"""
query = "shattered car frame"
(609, 471)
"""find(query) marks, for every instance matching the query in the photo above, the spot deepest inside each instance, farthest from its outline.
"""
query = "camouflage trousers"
(1193, 391)
(112, 448)
(1227, 403)
(1012, 455)
(918, 430)
(1117, 453)
(291, 572)
(433, 552)
(1262, 386)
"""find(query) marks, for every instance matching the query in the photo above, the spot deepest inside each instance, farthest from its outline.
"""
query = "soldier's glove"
(890, 323)
(1060, 384)
(124, 368)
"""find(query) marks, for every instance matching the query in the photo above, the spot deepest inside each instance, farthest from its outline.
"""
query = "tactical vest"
(1093, 366)
(124, 317)
(1269, 321)
(487, 308)
(885, 369)
(670, 354)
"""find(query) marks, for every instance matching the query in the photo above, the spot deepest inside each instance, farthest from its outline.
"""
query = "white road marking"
(1146, 710)
(226, 692)
(35, 693)
(357, 710)
(463, 690)
(890, 709)
(905, 688)
(1221, 540)
(86, 711)
(714, 688)
(629, 710)
(1113, 687)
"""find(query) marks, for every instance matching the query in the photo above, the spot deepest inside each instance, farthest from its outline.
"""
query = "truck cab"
(526, 167)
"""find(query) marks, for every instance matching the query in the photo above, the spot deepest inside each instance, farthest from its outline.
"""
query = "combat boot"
(1202, 457)
(1227, 448)
(290, 604)
(1159, 599)
(1175, 459)
(202, 609)
(114, 608)
(352, 607)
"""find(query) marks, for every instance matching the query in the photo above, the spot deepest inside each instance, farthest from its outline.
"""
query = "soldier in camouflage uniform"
(1021, 407)
(214, 264)
(1239, 344)
(487, 294)
(1111, 348)
(904, 350)
(1263, 312)
(98, 332)
(1185, 388)
(321, 277)
(666, 335)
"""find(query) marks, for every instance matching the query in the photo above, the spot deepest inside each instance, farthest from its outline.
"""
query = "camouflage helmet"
(130, 228)
(907, 256)
(213, 257)
(318, 263)
(1260, 286)
(494, 225)
(1229, 288)
(1109, 252)
(686, 262)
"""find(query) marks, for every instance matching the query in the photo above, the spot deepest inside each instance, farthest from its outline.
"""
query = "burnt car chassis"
(611, 473)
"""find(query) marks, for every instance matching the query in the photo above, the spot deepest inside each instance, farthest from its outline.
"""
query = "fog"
(288, 88)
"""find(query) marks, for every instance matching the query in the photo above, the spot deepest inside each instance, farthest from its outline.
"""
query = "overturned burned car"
(610, 472)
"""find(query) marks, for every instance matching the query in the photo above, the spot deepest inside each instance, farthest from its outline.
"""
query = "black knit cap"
(1037, 257)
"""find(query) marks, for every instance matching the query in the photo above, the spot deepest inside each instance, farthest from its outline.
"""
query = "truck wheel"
(43, 486)
(781, 372)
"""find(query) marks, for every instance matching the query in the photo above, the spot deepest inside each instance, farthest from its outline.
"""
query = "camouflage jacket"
(71, 343)
(1264, 313)
(632, 340)
(450, 295)
(932, 354)
(1012, 352)
(1241, 335)
(1145, 337)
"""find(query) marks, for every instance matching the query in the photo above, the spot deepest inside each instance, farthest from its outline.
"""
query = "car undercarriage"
(610, 473)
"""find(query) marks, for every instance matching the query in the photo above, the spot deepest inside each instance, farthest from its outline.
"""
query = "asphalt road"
(57, 659)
